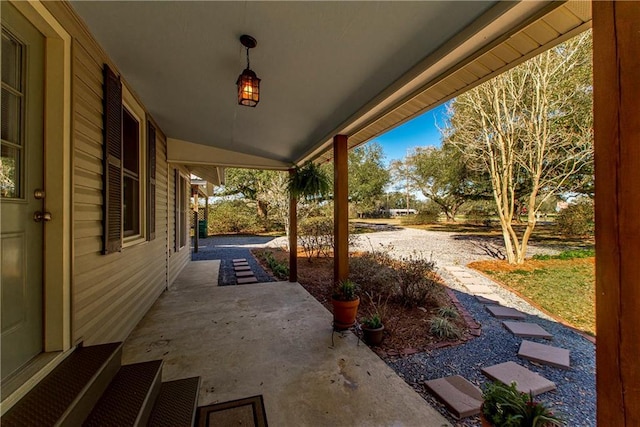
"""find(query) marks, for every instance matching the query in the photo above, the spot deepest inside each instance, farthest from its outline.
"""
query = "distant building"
(399, 212)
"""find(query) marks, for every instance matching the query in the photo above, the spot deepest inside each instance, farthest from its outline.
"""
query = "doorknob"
(42, 216)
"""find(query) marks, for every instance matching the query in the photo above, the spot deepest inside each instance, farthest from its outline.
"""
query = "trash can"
(202, 229)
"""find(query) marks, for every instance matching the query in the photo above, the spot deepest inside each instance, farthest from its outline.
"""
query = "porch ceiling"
(326, 67)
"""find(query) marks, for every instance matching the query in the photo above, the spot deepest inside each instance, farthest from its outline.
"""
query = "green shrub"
(280, 270)
(233, 216)
(443, 328)
(316, 236)
(416, 281)
(577, 220)
(374, 272)
(429, 214)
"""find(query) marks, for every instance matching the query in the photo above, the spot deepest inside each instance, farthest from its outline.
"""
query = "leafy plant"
(373, 322)
(448, 312)
(346, 291)
(278, 269)
(444, 328)
(505, 406)
(309, 182)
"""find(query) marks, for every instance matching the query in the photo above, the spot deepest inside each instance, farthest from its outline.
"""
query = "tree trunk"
(263, 209)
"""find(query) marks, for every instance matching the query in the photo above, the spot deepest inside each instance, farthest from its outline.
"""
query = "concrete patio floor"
(272, 339)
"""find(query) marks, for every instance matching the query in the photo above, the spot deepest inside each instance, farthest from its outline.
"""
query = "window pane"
(131, 206)
(130, 142)
(11, 62)
(11, 105)
(10, 172)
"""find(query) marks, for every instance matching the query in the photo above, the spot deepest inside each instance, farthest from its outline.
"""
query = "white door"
(21, 191)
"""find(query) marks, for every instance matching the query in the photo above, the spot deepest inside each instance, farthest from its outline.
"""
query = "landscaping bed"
(408, 321)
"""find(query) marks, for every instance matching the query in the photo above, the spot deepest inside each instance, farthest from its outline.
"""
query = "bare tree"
(531, 129)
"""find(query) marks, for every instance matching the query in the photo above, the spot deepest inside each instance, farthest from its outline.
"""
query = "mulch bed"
(406, 329)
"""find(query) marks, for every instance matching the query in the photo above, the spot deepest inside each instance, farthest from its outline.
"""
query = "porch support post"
(293, 235)
(616, 26)
(340, 209)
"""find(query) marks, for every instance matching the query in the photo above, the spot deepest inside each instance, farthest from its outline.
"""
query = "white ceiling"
(320, 63)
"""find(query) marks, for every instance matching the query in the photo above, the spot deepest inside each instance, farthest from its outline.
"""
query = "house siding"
(110, 293)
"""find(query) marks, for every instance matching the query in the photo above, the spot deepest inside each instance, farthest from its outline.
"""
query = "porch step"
(129, 399)
(177, 403)
(91, 388)
(67, 395)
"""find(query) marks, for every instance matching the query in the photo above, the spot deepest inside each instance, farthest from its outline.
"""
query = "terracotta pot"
(344, 313)
(373, 336)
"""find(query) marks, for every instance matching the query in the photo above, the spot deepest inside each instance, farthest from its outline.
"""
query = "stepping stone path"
(505, 312)
(461, 397)
(479, 289)
(544, 354)
(527, 330)
(244, 275)
(526, 380)
(489, 299)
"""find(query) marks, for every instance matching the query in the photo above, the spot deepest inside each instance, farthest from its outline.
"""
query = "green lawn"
(565, 288)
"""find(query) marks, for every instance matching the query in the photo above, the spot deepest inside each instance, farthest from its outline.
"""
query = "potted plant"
(505, 406)
(372, 330)
(345, 301)
(309, 181)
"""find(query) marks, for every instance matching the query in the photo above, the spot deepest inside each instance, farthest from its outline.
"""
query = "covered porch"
(275, 340)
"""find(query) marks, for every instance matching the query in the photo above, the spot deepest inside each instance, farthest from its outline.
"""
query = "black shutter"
(112, 163)
(151, 187)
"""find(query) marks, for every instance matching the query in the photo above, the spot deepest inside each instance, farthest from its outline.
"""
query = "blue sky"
(421, 131)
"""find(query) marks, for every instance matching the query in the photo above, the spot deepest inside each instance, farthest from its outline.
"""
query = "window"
(181, 211)
(129, 168)
(130, 174)
(12, 153)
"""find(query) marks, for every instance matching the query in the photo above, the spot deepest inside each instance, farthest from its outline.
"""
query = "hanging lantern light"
(248, 83)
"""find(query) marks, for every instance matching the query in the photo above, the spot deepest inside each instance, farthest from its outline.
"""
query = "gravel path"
(575, 397)
(228, 248)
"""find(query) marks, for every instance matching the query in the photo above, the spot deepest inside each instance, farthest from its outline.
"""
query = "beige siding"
(110, 293)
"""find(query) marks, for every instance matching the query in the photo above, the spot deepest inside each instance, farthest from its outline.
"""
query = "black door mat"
(247, 412)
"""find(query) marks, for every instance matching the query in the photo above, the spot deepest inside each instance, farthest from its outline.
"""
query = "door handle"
(42, 216)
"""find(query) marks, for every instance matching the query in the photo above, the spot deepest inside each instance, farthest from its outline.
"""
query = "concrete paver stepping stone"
(247, 280)
(526, 380)
(240, 264)
(461, 397)
(544, 354)
(244, 273)
(527, 330)
(505, 312)
(490, 299)
(239, 259)
(479, 289)
(242, 268)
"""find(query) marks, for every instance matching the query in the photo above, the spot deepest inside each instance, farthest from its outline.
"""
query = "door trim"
(58, 235)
